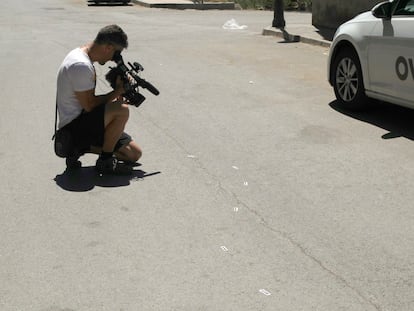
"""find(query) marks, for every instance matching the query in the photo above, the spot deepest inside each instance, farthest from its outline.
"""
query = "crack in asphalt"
(262, 220)
(293, 242)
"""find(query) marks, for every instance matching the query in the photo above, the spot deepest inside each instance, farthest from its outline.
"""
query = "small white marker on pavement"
(265, 292)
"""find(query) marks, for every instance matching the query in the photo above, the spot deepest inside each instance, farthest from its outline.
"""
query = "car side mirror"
(383, 10)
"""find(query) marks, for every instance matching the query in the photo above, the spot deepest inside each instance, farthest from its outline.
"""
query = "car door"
(391, 53)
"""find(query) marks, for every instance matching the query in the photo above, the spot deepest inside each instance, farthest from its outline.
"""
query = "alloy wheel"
(347, 79)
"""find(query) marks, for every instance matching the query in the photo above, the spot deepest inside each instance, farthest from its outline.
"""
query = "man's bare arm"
(89, 100)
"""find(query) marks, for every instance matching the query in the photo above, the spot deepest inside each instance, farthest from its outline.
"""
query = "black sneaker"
(111, 166)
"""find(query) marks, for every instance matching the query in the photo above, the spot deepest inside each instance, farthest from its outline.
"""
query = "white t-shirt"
(76, 74)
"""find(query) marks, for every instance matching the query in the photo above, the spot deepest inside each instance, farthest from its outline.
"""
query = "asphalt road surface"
(256, 191)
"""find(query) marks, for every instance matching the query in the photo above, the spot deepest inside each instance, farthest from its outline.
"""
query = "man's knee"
(123, 111)
(116, 111)
(131, 152)
(136, 155)
(136, 152)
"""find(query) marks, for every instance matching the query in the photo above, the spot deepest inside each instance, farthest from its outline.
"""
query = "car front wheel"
(348, 82)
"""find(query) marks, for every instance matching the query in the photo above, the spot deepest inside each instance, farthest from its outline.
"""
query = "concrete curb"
(272, 31)
(187, 5)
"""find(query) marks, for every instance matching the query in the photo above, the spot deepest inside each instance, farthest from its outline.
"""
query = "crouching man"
(96, 122)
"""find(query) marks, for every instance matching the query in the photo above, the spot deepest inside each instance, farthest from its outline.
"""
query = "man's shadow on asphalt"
(397, 120)
(86, 178)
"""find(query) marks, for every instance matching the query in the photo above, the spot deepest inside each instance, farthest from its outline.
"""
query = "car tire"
(348, 82)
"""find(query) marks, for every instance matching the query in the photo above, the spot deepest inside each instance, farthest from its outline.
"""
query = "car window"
(405, 7)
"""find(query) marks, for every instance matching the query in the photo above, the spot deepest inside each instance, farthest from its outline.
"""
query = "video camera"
(131, 80)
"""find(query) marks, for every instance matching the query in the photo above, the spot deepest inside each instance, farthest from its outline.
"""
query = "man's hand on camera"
(119, 87)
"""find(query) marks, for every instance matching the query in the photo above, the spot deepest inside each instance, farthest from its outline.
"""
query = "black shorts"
(88, 130)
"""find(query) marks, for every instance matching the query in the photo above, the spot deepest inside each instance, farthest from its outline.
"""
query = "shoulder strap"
(56, 116)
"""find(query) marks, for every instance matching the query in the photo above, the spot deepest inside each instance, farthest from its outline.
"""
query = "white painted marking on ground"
(265, 292)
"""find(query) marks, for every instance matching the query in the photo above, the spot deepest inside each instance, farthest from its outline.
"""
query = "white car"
(372, 56)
